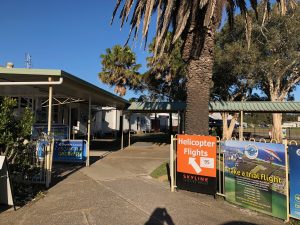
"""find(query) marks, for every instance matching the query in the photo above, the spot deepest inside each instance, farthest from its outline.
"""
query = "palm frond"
(148, 13)
(115, 10)
(230, 9)
(167, 17)
(125, 11)
(209, 12)
(181, 18)
(254, 7)
(203, 3)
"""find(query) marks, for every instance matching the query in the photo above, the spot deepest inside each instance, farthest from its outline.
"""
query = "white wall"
(138, 122)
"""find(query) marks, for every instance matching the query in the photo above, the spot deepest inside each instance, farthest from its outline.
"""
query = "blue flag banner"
(294, 159)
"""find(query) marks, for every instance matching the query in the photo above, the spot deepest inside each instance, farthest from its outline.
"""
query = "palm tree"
(119, 68)
(195, 21)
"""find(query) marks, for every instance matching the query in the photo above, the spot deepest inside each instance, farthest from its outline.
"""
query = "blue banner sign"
(294, 158)
(69, 151)
(64, 150)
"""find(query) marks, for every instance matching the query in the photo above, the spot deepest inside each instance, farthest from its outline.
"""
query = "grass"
(294, 221)
(160, 171)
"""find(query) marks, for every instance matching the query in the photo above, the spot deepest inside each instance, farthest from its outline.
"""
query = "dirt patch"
(163, 178)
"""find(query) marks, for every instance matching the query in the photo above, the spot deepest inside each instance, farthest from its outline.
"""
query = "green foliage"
(166, 77)
(119, 69)
(278, 64)
(234, 64)
(258, 118)
(272, 63)
(14, 132)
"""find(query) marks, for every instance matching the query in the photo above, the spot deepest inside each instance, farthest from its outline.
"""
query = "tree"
(272, 64)
(119, 68)
(166, 77)
(14, 132)
(278, 66)
(195, 21)
(233, 71)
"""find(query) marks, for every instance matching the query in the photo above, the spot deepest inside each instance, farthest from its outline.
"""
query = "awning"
(71, 87)
(218, 106)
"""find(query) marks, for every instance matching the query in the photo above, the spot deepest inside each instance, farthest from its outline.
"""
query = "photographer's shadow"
(160, 216)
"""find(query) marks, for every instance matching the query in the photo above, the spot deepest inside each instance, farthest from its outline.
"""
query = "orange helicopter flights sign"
(197, 155)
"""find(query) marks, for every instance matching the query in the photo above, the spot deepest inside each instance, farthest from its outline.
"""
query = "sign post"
(6, 193)
(196, 163)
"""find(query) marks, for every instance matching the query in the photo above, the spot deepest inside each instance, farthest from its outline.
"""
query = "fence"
(291, 133)
(39, 161)
(220, 164)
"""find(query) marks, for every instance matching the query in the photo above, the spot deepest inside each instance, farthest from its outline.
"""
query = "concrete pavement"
(118, 190)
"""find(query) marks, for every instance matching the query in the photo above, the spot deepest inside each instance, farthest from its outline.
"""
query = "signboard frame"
(6, 197)
(196, 163)
(68, 153)
(256, 176)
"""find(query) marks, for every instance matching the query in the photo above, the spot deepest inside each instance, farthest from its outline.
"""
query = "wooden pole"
(89, 134)
(48, 161)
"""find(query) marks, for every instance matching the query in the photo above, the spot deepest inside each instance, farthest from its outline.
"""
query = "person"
(270, 134)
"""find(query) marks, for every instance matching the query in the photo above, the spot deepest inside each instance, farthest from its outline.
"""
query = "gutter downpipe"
(48, 153)
(50, 82)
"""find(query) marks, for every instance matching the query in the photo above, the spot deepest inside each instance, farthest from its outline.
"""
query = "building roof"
(71, 87)
(156, 106)
(255, 106)
(219, 106)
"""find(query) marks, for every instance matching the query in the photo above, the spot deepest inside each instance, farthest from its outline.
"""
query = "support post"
(285, 142)
(89, 134)
(122, 134)
(178, 122)
(69, 122)
(242, 126)
(129, 129)
(48, 167)
(183, 122)
(172, 164)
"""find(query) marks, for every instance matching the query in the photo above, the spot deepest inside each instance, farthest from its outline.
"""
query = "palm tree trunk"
(199, 82)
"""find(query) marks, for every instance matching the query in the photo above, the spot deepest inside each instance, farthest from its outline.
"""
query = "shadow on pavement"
(160, 216)
(238, 223)
(5, 207)
(155, 138)
(106, 144)
(61, 171)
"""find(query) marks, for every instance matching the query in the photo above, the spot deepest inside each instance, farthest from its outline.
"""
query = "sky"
(68, 35)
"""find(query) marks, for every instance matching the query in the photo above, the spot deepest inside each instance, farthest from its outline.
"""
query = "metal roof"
(157, 106)
(219, 106)
(255, 106)
(72, 86)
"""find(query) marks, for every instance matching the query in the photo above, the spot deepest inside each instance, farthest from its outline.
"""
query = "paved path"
(117, 190)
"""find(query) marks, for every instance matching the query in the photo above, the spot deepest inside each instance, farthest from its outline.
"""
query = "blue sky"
(64, 34)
